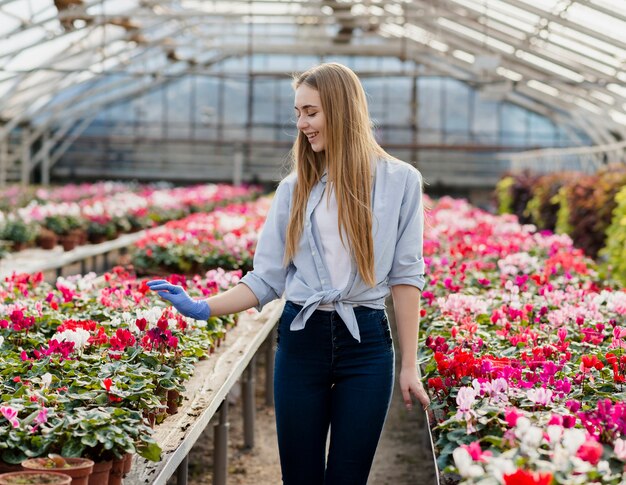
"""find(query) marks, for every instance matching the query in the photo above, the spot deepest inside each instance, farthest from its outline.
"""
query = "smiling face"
(311, 119)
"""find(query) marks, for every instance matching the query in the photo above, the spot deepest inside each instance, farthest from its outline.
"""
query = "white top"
(336, 256)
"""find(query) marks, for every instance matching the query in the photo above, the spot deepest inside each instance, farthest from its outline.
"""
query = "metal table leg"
(220, 452)
(249, 408)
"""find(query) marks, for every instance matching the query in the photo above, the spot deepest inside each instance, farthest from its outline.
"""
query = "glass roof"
(566, 57)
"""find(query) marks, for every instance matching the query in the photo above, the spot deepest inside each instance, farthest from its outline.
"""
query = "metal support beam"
(4, 160)
(238, 166)
(182, 472)
(45, 158)
(249, 408)
(220, 451)
(25, 157)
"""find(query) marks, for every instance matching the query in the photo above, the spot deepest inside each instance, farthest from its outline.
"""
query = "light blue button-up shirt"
(397, 225)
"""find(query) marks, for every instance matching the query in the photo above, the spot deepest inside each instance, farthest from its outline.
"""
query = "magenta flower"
(10, 415)
(511, 416)
(42, 416)
(476, 452)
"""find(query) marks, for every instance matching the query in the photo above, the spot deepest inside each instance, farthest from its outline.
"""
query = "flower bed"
(523, 353)
(224, 238)
(88, 363)
(105, 215)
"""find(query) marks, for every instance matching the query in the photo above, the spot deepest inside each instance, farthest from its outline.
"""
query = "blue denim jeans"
(325, 379)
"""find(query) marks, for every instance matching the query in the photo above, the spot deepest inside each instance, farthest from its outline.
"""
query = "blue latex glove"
(177, 296)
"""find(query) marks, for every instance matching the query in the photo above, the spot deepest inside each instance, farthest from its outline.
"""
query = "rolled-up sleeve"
(267, 279)
(408, 263)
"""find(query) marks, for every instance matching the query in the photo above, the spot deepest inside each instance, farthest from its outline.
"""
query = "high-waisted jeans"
(324, 379)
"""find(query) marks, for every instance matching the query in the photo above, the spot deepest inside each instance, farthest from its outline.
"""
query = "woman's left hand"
(410, 384)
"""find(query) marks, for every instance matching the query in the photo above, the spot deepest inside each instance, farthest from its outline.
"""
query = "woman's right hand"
(178, 297)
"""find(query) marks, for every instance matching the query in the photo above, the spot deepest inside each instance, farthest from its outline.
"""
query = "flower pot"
(128, 463)
(173, 397)
(68, 241)
(46, 239)
(81, 236)
(117, 472)
(78, 469)
(34, 478)
(18, 246)
(10, 467)
(96, 238)
(100, 474)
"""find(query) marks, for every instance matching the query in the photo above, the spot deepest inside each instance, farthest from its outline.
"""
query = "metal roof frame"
(537, 51)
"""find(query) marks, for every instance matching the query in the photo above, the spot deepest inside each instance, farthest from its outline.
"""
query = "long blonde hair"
(348, 157)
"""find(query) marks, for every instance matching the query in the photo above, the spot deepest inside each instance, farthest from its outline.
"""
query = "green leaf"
(151, 451)
(13, 456)
(73, 449)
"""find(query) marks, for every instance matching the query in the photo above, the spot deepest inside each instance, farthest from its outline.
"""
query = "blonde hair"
(348, 157)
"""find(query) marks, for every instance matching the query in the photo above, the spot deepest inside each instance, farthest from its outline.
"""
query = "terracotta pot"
(150, 418)
(117, 472)
(128, 463)
(47, 239)
(78, 469)
(100, 474)
(172, 401)
(34, 478)
(96, 238)
(81, 236)
(68, 241)
(18, 246)
(10, 467)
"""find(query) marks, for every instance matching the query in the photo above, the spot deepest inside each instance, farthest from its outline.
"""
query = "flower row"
(523, 353)
(224, 238)
(14, 196)
(104, 216)
(89, 363)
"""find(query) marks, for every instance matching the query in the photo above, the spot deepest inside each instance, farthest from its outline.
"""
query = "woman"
(345, 230)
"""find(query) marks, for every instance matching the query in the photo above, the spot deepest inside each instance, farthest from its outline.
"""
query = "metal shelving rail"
(90, 257)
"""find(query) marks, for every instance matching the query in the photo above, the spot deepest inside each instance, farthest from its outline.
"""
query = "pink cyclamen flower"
(10, 414)
(511, 416)
(42, 416)
(476, 452)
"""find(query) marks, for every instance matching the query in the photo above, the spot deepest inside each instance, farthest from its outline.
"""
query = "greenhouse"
(167, 258)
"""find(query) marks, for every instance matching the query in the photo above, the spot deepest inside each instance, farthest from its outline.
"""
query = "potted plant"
(101, 229)
(46, 239)
(27, 429)
(34, 478)
(19, 233)
(61, 225)
(105, 435)
(78, 469)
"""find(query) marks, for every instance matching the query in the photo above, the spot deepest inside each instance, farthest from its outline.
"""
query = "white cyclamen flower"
(465, 464)
(46, 380)
(80, 336)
